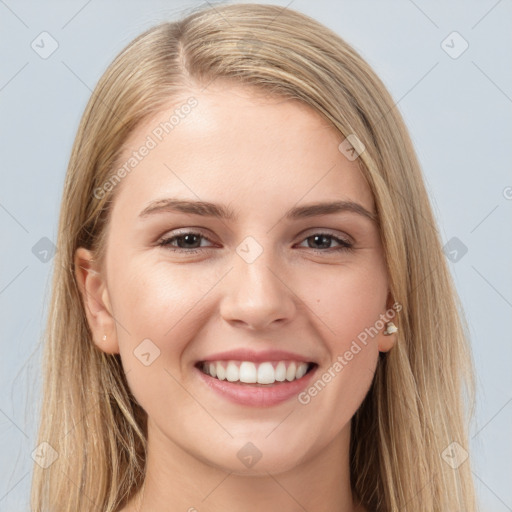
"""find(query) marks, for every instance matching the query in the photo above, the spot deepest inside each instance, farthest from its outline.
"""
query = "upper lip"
(256, 356)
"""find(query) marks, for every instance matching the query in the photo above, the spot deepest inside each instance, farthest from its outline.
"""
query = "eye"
(325, 239)
(190, 242)
(186, 241)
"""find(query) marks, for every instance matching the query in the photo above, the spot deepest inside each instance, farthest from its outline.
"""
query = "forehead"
(232, 144)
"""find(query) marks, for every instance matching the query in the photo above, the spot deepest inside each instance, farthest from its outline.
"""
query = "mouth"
(256, 374)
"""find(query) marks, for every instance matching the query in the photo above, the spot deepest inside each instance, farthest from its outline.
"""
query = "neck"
(176, 478)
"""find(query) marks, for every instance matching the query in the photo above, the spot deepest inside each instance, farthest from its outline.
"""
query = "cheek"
(145, 290)
(157, 308)
(347, 301)
(342, 305)
(161, 302)
(349, 305)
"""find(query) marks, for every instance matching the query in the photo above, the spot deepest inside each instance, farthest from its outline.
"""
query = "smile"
(263, 373)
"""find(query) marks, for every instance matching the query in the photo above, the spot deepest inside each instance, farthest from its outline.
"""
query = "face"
(276, 287)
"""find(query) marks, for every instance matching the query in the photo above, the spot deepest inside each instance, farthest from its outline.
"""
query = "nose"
(256, 294)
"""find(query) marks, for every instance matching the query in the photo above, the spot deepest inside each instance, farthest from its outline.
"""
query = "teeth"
(266, 374)
(220, 371)
(232, 372)
(301, 371)
(255, 373)
(291, 372)
(248, 372)
(280, 372)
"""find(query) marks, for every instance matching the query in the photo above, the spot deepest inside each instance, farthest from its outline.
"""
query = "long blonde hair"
(421, 398)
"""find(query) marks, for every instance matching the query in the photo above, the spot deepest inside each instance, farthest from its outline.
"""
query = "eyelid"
(344, 241)
(305, 234)
(173, 234)
(327, 231)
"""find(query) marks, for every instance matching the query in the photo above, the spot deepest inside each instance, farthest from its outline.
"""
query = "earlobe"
(388, 336)
(95, 297)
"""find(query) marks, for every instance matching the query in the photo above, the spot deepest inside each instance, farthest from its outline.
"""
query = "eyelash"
(165, 242)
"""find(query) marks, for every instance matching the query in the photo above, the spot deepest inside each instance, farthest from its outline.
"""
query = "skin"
(260, 157)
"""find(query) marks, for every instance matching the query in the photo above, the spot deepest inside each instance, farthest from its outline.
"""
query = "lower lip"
(257, 396)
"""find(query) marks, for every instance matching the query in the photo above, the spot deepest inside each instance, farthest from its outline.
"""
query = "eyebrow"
(207, 209)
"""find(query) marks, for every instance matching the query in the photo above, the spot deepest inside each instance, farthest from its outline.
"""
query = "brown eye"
(186, 241)
(322, 242)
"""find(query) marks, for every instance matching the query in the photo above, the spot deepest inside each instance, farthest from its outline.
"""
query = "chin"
(249, 460)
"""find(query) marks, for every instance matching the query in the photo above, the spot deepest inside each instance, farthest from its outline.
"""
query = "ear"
(93, 288)
(387, 342)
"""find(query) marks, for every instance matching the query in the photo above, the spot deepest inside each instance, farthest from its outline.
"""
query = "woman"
(251, 307)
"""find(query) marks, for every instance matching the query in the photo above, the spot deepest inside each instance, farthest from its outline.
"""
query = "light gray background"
(458, 111)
